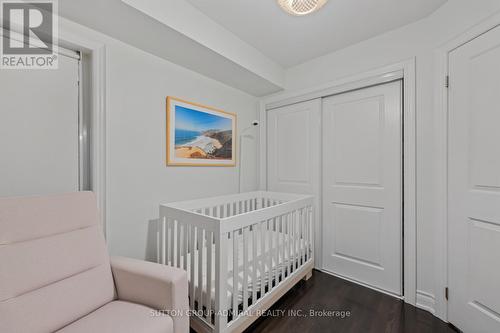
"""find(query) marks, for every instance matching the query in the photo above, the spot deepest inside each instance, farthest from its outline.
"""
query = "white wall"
(419, 40)
(138, 179)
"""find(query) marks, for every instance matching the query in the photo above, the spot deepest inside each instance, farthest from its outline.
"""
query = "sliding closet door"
(474, 185)
(293, 150)
(362, 187)
(39, 130)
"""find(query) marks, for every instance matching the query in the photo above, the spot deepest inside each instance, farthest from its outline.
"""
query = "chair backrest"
(54, 265)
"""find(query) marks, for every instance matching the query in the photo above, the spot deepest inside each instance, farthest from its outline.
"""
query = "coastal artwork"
(198, 135)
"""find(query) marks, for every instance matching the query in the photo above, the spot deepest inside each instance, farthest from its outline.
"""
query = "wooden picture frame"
(199, 135)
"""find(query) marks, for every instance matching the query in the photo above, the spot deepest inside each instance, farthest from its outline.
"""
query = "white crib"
(242, 252)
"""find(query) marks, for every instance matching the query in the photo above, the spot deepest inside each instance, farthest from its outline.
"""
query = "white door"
(293, 150)
(474, 185)
(39, 130)
(362, 187)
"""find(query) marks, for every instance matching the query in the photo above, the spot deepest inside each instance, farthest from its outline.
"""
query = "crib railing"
(237, 250)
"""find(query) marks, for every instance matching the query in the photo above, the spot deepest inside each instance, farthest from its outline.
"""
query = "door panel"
(474, 185)
(293, 151)
(357, 162)
(357, 225)
(362, 187)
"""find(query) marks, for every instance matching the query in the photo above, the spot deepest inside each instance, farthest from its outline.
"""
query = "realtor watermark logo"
(30, 34)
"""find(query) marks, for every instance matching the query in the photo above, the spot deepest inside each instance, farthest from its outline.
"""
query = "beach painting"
(199, 135)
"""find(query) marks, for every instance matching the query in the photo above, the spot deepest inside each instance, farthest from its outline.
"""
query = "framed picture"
(199, 135)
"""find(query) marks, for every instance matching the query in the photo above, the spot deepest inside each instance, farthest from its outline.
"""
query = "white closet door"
(474, 185)
(293, 150)
(39, 130)
(362, 187)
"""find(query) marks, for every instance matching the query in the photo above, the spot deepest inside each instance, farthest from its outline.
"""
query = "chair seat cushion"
(123, 317)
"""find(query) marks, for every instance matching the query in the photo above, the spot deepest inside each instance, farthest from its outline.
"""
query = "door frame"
(403, 70)
(75, 37)
(441, 58)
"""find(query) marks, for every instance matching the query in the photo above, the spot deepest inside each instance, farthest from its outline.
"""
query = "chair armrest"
(157, 286)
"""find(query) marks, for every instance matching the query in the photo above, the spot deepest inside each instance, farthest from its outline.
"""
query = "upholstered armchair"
(56, 275)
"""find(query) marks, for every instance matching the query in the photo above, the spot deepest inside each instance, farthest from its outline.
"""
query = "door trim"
(441, 122)
(406, 71)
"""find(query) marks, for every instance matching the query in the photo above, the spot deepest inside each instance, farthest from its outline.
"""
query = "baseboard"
(426, 301)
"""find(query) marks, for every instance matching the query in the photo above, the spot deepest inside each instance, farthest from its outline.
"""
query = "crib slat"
(178, 244)
(199, 239)
(294, 249)
(311, 233)
(276, 240)
(302, 236)
(208, 301)
(269, 256)
(235, 273)
(221, 269)
(245, 268)
(296, 240)
(221, 213)
(299, 221)
(185, 245)
(163, 240)
(158, 241)
(304, 250)
(261, 261)
(254, 263)
(282, 247)
(169, 242)
(287, 244)
(306, 235)
(172, 242)
(192, 255)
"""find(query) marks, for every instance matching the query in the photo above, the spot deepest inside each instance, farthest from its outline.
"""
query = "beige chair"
(56, 275)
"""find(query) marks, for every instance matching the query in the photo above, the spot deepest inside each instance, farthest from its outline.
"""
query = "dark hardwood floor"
(369, 311)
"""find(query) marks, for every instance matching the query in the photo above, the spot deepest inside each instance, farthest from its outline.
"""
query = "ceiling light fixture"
(301, 7)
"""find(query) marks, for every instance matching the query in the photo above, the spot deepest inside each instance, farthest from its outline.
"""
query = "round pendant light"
(301, 7)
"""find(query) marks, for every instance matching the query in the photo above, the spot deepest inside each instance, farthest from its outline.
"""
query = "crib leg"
(308, 275)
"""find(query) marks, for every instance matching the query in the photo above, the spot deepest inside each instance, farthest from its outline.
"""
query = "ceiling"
(128, 24)
(246, 44)
(290, 40)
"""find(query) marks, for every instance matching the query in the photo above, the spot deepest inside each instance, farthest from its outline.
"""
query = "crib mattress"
(279, 263)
